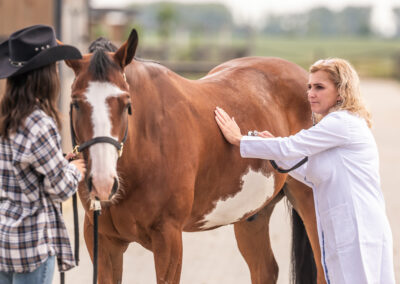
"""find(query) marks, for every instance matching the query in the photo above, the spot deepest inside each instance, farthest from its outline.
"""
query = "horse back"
(261, 94)
(190, 162)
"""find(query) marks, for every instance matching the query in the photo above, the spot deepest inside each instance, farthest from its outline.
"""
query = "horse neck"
(152, 78)
(154, 91)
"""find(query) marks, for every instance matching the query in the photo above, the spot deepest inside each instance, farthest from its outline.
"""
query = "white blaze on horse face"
(103, 155)
(256, 190)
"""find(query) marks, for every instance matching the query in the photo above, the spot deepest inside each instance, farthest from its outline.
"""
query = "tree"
(166, 17)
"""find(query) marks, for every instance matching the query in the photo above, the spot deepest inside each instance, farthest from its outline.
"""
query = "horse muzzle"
(102, 189)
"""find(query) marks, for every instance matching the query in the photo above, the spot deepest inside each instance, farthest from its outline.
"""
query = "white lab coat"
(343, 171)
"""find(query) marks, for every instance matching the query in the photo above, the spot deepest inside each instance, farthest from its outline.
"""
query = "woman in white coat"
(343, 171)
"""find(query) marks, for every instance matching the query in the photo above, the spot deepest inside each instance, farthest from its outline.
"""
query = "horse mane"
(100, 65)
(102, 43)
(100, 61)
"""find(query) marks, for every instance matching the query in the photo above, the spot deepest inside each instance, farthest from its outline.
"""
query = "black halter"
(99, 139)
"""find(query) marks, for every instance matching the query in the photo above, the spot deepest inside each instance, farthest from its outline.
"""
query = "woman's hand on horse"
(228, 126)
(81, 166)
(265, 134)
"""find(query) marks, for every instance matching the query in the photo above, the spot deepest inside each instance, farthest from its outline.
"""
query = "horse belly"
(256, 189)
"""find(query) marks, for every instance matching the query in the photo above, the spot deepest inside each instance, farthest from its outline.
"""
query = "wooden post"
(16, 15)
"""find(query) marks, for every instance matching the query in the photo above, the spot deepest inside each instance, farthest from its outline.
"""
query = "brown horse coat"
(177, 173)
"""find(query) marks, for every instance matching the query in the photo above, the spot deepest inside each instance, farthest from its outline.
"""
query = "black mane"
(102, 43)
(101, 63)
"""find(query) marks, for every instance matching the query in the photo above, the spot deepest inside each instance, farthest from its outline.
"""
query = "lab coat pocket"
(339, 227)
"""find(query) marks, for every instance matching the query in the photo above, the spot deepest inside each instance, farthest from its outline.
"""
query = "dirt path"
(213, 258)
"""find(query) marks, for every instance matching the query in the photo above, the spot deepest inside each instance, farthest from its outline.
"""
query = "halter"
(95, 205)
(99, 139)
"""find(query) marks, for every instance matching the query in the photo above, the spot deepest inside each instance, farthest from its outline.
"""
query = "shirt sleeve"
(332, 131)
(60, 178)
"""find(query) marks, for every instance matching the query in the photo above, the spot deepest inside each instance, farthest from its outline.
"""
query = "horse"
(160, 165)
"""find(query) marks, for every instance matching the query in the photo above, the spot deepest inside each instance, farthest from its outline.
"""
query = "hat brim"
(43, 58)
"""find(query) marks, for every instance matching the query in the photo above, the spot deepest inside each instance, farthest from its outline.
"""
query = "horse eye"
(75, 105)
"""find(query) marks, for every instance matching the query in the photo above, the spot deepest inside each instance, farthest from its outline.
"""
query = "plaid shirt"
(34, 179)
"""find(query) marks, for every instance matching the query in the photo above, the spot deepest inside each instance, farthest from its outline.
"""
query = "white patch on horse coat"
(256, 189)
(104, 155)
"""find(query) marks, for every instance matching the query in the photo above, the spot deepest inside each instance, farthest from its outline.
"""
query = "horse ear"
(74, 64)
(126, 52)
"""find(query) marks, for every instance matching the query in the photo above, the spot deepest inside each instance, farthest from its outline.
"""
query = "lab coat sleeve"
(330, 132)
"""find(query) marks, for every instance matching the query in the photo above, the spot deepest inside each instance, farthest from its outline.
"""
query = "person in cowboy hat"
(34, 176)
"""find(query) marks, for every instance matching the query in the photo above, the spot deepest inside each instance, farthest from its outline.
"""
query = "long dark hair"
(25, 92)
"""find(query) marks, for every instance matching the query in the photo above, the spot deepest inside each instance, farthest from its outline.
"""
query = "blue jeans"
(41, 275)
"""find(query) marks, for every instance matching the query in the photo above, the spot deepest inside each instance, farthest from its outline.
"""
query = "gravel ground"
(213, 258)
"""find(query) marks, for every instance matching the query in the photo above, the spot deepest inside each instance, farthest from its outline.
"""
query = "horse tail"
(303, 268)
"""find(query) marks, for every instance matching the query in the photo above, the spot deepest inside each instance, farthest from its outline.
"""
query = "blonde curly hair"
(347, 84)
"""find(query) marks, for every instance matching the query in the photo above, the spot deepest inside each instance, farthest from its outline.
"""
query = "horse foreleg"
(110, 255)
(166, 240)
(301, 197)
(254, 244)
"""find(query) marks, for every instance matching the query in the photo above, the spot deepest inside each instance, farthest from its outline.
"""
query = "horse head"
(100, 105)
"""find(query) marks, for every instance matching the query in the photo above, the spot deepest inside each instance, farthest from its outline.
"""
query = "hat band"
(17, 63)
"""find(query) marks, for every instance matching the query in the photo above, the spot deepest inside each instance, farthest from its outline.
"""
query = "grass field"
(372, 57)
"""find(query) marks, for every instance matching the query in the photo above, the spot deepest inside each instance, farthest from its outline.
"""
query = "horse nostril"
(114, 188)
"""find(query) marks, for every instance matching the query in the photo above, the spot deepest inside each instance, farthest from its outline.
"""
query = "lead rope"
(75, 211)
(76, 234)
(74, 200)
(62, 274)
(76, 228)
(96, 207)
(95, 244)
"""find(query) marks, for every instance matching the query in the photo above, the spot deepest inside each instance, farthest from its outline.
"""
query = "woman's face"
(322, 93)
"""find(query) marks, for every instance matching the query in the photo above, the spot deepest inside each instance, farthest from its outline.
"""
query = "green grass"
(371, 57)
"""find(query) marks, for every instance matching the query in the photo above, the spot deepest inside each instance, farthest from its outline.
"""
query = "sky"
(254, 11)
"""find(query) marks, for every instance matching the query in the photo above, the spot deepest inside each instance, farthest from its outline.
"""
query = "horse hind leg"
(110, 255)
(254, 244)
(304, 225)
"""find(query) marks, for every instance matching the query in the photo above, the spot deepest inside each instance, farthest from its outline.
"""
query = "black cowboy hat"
(31, 48)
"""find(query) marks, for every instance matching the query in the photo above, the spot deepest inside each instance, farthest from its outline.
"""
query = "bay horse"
(176, 171)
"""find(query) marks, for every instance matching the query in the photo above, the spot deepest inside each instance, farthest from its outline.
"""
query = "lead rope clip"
(95, 205)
